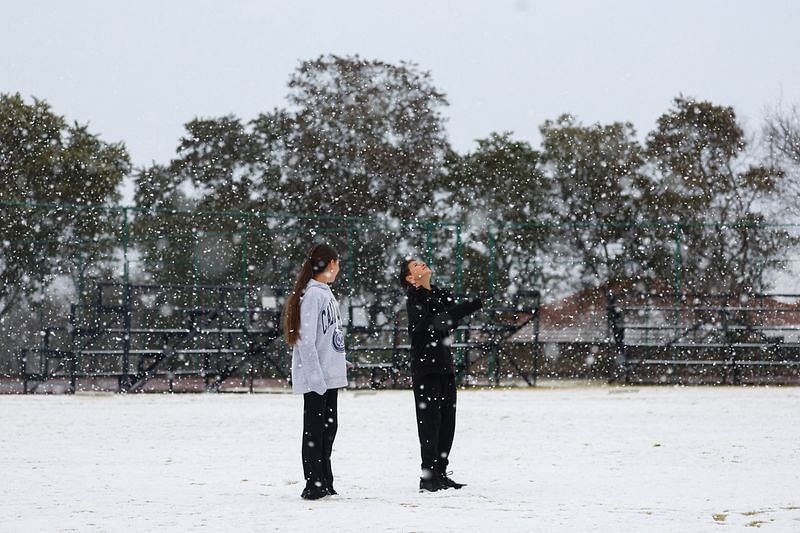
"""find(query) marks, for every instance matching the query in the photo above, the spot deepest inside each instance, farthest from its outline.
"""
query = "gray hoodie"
(318, 358)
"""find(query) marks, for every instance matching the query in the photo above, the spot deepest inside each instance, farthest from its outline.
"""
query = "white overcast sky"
(136, 71)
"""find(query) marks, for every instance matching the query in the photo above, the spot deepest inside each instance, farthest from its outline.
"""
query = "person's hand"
(349, 365)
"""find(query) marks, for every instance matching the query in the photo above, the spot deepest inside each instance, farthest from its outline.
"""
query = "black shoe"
(448, 483)
(314, 493)
(331, 490)
(430, 485)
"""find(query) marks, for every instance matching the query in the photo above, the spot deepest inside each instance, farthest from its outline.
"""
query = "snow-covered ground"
(548, 459)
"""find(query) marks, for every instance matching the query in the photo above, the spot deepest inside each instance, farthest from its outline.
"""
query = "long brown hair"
(315, 262)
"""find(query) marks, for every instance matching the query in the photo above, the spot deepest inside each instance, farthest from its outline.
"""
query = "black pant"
(320, 422)
(435, 396)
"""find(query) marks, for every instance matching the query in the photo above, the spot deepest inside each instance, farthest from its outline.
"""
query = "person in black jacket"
(432, 317)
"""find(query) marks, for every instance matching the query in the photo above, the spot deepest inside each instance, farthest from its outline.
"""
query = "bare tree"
(781, 137)
(782, 131)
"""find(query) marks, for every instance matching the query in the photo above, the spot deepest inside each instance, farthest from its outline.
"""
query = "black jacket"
(432, 316)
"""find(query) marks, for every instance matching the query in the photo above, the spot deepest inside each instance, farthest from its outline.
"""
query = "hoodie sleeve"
(420, 317)
(457, 312)
(447, 321)
(310, 309)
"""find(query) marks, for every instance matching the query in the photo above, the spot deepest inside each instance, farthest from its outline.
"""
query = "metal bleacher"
(702, 338)
(135, 333)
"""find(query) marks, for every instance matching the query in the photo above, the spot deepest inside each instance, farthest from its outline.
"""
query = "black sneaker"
(314, 493)
(331, 490)
(448, 483)
(430, 485)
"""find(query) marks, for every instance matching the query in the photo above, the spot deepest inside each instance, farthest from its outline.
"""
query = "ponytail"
(315, 262)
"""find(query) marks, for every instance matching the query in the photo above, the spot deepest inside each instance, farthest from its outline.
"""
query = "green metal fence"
(47, 245)
(162, 245)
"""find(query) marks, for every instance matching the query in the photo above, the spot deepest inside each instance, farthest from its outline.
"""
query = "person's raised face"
(418, 273)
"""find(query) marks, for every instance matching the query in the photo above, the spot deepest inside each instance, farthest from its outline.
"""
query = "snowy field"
(550, 459)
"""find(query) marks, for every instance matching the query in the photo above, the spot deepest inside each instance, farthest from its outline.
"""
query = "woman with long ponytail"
(312, 326)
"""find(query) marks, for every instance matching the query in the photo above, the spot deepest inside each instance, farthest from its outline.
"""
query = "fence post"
(459, 261)
(492, 273)
(616, 335)
(677, 263)
(81, 278)
(429, 242)
(124, 382)
(23, 370)
(492, 357)
(351, 262)
(537, 347)
(244, 279)
(677, 267)
(243, 276)
(492, 362)
(461, 355)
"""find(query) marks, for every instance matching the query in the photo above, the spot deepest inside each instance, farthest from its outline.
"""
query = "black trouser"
(320, 421)
(435, 396)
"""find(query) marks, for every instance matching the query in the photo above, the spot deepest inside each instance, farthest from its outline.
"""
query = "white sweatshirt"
(318, 357)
